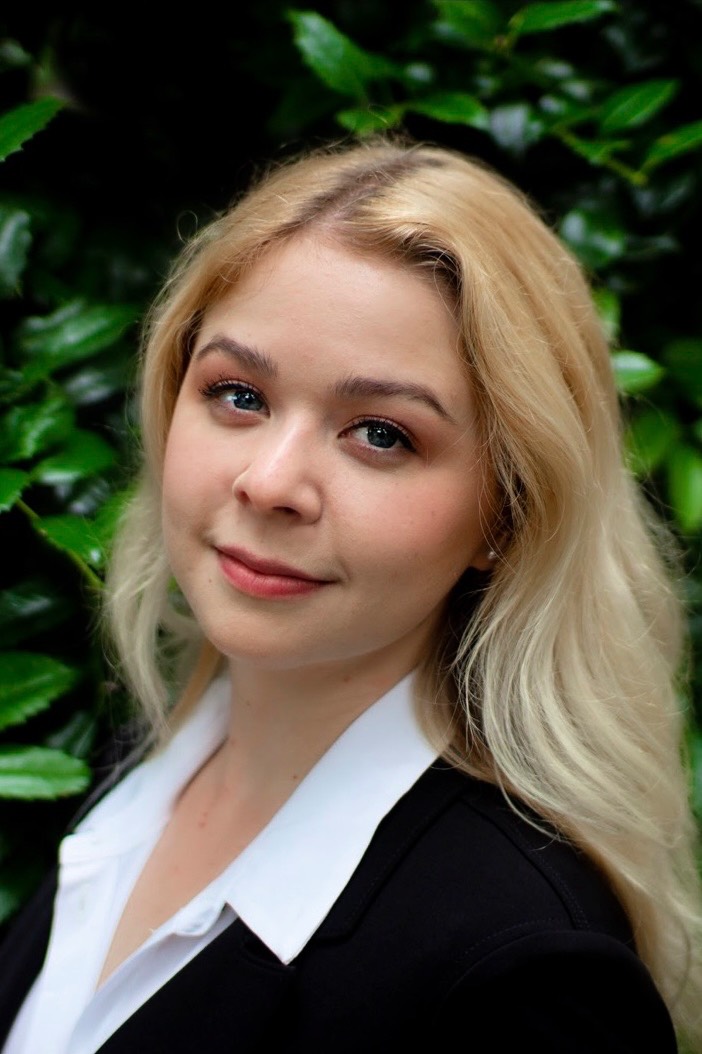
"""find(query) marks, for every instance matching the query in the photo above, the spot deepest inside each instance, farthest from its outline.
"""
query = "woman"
(423, 771)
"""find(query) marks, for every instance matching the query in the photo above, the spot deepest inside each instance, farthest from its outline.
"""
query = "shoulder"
(454, 855)
(462, 909)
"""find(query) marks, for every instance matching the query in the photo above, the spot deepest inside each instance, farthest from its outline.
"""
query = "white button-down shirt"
(282, 885)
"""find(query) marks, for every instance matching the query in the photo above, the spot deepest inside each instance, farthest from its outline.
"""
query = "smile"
(257, 577)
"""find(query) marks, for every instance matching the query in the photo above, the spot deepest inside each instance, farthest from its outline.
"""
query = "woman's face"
(324, 484)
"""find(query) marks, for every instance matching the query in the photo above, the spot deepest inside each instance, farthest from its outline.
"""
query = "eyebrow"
(351, 387)
(371, 387)
(243, 353)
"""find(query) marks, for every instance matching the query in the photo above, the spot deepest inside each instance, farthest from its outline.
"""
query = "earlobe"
(485, 560)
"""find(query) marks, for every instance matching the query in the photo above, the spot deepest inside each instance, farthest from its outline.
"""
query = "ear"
(485, 560)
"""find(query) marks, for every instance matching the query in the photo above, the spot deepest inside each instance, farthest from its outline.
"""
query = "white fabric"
(282, 885)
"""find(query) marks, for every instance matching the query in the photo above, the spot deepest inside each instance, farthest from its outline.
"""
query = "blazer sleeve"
(580, 992)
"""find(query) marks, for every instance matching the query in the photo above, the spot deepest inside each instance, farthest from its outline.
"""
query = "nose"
(281, 475)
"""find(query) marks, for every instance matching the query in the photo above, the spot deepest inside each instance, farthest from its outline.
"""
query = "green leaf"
(634, 105)
(15, 239)
(515, 126)
(595, 237)
(635, 372)
(31, 607)
(649, 439)
(13, 55)
(596, 151)
(12, 483)
(683, 359)
(77, 736)
(338, 62)
(562, 112)
(28, 430)
(684, 465)
(541, 17)
(672, 144)
(471, 23)
(20, 124)
(85, 454)
(107, 519)
(99, 379)
(29, 683)
(74, 535)
(12, 385)
(609, 309)
(696, 762)
(72, 333)
(39, 772)
(12, 895)
(365, 120)
(453, 107)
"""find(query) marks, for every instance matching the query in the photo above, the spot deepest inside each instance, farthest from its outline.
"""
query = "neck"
(283, 722)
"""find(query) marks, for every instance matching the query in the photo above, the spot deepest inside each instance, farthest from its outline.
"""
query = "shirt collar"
(285, 882)
(287, 879)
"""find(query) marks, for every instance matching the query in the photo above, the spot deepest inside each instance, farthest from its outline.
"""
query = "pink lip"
(264, 578)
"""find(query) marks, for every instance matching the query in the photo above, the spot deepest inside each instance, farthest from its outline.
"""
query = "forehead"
(317, 302)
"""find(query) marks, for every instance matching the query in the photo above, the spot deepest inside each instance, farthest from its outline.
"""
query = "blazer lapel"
(435, 789)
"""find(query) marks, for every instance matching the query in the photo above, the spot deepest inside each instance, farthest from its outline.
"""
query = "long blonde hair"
(556, 677)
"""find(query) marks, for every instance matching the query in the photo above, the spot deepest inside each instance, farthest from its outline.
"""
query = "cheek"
(437, 530)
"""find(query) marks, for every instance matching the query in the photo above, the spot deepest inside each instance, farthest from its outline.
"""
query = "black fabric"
(462, 920)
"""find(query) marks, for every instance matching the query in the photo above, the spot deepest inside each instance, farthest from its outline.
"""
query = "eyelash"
(222, 385)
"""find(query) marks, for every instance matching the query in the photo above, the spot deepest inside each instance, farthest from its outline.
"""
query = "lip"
(256, 576)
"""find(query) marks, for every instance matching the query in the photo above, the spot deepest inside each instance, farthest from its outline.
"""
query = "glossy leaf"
(541, 17)
(77, 736)
(470, 23)
(39, 772)
(28, 430)
(15, 239)
(635, 372)
(515, 126)
(12, 483)
(561, 112)
(684, 470)
(29, 683)
(12, 385)
(84, 454)
(596, 151)
(31, 607)
(609, 309)
(683, 359)
(74, 535)
(366, 120)
(73, 333)
(649, 439)
(20, 124)
(594, 237)
(681, 140)
(696, 764)
(634, 105)
(107, 519)
(98, 380)
(13, 890)
(338, 62)
(452, 107)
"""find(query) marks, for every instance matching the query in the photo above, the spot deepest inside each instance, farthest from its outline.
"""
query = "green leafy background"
(118, 141)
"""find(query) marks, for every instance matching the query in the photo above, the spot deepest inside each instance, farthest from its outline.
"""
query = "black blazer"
(462, 927)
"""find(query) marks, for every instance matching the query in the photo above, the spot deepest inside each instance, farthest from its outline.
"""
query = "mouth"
(257, 576)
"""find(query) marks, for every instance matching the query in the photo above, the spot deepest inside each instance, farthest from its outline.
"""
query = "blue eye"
(382, 435)
(234, 395)
(242, 398)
